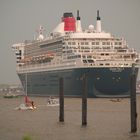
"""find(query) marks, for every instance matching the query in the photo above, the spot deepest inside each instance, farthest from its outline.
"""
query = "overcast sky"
(19, 20)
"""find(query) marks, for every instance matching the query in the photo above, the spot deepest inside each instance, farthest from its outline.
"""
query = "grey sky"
(19, 20)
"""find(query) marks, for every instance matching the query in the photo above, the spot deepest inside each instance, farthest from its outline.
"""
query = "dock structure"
(133, 103)
(84, 101)
(61, 99)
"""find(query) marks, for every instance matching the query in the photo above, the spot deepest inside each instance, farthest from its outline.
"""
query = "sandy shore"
(107, 120)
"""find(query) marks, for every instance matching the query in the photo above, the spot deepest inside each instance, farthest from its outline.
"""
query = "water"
(106, 120)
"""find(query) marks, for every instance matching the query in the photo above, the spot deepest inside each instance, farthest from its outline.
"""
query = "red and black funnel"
(69, 22)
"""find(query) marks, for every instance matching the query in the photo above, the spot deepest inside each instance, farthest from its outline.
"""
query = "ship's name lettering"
(116, 69)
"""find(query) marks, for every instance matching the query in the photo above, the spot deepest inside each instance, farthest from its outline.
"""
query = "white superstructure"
(69, 46)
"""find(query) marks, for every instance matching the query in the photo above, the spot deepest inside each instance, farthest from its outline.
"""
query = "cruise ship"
(71, 52)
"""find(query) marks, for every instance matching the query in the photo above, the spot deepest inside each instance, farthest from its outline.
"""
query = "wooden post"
(61, 100)
(133, 101)
(84, 101)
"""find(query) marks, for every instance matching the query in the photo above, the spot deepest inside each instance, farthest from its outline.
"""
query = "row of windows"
(95, 43)
(75, 56)
(108, 48)
(102, 64)
(106, 54)
(119, 48)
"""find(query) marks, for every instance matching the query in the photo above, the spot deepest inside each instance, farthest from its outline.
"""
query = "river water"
(107, 119)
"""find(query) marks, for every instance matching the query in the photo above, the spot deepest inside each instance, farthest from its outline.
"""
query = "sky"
(19, 20)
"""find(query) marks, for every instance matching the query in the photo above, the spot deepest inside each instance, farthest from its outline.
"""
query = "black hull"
(102, 82)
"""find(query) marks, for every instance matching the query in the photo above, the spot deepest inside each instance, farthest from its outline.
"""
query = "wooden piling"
(61, 100)
(133, 104)
(84, 102)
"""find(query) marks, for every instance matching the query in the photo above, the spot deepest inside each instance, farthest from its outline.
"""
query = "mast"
(26, 89)
(78, 23)
(98, 23)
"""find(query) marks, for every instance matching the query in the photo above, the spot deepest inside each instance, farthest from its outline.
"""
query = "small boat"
(25, 107)
(52, 102)
(29, 104)
(10, 95)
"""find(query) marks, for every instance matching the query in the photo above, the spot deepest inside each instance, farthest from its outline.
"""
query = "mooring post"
(61, 100)
(133, 101)
(84, 101)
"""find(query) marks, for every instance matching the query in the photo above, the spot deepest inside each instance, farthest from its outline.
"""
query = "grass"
(27, 137)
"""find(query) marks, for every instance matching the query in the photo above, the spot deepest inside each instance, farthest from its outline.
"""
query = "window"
(105, 43)
(89, 56)
(108, 43)
(84, 43)
(84, 61)
(120, 43)
(97, 43)
(90, 61)
(73, 43)
(69, 43)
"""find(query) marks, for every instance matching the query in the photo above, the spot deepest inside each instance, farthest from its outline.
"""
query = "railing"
(45, 67)
(74, 64)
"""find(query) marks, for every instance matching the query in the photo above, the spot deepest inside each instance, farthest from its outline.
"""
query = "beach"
(107, 119)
